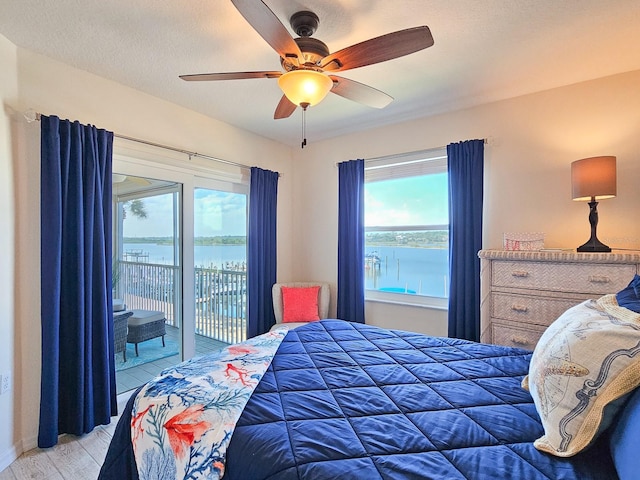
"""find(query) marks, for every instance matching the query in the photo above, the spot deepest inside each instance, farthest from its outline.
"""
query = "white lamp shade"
(593, 177)
(305, 87)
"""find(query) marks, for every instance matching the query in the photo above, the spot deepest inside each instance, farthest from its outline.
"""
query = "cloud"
(220, 213)
(216, 213)
(407, 201)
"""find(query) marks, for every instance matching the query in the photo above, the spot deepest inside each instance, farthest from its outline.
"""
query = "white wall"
(533, 140)
(8, 96)
(53, 88)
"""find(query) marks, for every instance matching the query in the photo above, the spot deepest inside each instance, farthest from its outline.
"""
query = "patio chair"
(322, 301)
(120, 328)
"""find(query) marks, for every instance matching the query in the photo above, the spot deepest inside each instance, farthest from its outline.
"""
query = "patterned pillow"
(585, 361)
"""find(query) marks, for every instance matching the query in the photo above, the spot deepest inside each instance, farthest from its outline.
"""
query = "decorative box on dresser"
(522, 293)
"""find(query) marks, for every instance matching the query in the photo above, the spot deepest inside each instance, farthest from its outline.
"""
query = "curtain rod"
(416, 152)
(32, 116)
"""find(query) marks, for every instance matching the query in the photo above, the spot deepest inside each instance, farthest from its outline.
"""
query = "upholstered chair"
(295, 303)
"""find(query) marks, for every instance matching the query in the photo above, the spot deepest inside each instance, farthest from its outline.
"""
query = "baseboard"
(29, 443)
(9, 456)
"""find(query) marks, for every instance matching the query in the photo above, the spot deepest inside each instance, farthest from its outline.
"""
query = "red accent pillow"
(300, 304)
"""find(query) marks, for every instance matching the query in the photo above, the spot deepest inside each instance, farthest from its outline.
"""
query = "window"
(220, 264)
(407, 229)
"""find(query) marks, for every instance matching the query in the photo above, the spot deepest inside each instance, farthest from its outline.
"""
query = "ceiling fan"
(309, 66)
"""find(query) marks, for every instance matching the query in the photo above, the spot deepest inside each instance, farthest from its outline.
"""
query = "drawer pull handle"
(519, 308)
(520, 273)
(599, 279)
(519, 340)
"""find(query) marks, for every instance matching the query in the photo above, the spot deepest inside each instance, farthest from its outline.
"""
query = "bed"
(353, 401)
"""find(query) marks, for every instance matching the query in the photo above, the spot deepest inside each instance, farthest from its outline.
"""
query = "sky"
(216, 213)
(219, 213)
(407, 201)
(404, 201)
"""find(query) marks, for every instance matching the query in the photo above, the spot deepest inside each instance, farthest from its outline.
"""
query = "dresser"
(523, 292)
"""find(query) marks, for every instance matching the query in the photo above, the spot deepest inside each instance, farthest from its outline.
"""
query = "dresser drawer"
(562, 277)
(512, 336)
(522, 293)
(529, 309)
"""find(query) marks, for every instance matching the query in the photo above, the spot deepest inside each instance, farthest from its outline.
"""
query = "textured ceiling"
(485, 50)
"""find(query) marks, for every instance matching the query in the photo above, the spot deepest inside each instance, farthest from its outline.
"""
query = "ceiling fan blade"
(379, 49)
(265, 22)
(203, 77)
(359, 92)
(284, 109)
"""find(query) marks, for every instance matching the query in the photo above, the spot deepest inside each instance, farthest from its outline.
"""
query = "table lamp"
(593, 179)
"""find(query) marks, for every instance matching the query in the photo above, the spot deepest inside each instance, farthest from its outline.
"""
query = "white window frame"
(400, 166)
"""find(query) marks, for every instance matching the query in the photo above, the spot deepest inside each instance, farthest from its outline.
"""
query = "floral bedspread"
(182, 420)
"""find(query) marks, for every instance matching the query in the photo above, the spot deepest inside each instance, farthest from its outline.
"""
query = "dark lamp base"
(593, 245)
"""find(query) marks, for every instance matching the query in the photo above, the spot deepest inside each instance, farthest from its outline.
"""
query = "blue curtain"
(262, 248)
(465, 167)
(78, 389)
(351, 241)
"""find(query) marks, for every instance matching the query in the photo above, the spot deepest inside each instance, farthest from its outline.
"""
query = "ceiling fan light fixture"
(305, 86)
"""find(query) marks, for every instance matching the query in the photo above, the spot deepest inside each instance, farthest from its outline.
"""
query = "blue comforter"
(352, 401)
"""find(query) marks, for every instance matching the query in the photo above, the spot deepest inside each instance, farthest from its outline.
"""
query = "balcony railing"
(221, 304)
(220, 299)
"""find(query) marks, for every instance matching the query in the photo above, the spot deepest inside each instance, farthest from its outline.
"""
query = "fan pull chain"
(304, 124)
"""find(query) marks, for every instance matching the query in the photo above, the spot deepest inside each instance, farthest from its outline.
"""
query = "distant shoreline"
(391, 245)
(219, 241)
(235, 240)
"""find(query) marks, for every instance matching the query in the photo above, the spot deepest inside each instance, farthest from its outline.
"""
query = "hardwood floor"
(74, 458)
(80, 458)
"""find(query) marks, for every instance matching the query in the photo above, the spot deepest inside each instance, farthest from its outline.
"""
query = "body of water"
(204, 255)
(423, 271)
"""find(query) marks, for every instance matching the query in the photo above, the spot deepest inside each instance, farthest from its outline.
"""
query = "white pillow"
(588, 358)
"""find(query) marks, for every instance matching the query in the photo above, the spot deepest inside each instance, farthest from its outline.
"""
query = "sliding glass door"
(179, 249)
(220, 267)
(147, 277)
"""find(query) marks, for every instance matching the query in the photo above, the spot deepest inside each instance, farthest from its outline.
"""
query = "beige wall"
(53, 88)
(532, 141)
(8, 96)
